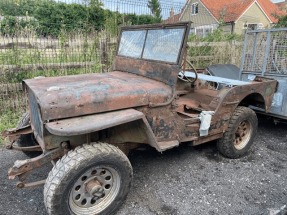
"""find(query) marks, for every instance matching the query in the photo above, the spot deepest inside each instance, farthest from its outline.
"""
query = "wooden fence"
(203, 54)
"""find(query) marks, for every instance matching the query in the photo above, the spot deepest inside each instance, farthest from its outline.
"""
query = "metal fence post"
(266, 53)
(243, 55)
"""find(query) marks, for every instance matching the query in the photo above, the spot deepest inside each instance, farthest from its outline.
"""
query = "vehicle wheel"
(92, 179)
(26, 140)
(240, 133)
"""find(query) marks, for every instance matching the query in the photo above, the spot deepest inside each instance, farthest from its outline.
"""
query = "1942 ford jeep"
(86, 124)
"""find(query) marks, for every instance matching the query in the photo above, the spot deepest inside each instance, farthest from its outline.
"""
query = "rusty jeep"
(85, 125)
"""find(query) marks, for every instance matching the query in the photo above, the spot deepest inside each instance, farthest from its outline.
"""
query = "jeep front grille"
(35, 114)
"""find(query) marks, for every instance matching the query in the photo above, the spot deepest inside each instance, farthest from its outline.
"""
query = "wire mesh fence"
(266, 52)
(67, 37)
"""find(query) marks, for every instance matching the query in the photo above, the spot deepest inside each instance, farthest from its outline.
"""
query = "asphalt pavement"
(184, 180)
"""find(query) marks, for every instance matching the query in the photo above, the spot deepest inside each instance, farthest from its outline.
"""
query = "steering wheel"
(182, 75)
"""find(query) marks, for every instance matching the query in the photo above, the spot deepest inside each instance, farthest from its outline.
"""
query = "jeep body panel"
(91, 123)
(223, 103)
(78, 95)
(79, 126)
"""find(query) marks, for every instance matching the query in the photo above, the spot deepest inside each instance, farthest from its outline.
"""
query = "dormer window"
(194, 8)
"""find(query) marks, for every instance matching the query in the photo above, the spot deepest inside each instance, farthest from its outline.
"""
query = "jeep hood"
(77, 95)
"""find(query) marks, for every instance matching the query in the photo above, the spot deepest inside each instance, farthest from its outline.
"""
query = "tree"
(282, 22)
(155, 8)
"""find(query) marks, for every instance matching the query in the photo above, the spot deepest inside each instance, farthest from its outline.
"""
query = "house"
(282, 5)
(233, 16)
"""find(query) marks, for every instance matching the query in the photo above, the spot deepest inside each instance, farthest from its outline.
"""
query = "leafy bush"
(216, 36)
(12, 26)
(50, 18)
(282, 22)
(207, 54)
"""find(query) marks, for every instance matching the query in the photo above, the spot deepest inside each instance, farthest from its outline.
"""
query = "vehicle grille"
(35, 114)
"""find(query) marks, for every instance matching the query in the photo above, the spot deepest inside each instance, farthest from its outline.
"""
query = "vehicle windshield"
(152, 44)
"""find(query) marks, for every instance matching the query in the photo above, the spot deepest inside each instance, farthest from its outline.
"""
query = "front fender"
(96, 122)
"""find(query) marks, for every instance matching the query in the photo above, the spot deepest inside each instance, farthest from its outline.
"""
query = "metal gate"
(265, 53)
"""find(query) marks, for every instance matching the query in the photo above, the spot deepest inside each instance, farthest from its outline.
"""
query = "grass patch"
(18, 77)
(8, 119)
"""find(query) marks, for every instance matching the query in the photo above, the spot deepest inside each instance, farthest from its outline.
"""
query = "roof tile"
(231, 10)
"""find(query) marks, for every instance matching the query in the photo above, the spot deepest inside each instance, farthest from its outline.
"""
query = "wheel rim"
(242, 135)
(94, 190)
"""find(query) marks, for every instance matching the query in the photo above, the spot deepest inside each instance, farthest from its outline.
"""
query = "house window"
(253, 26)
(203, 31)
(194, 8)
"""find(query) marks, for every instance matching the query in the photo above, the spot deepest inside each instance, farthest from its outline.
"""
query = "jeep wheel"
(92, 179)
(26, 140)
(240, 133)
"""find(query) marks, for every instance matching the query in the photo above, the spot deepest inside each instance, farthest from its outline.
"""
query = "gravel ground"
(185, 180)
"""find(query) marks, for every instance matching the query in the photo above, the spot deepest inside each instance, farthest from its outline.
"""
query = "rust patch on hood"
(70, 96)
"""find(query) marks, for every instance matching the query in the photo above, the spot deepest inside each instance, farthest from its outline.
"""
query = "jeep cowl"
(85, 125)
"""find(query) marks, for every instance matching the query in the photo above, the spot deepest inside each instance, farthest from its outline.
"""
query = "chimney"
(171, 13)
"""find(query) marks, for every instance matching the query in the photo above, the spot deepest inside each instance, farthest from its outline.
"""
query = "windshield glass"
(131, 44)
(153, 44)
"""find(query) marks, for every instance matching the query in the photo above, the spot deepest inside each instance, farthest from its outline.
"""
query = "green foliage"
(11, 25)
(282, 22)
(8, 119)
(18, 7)
(134, 19)
(216, 36)
(56, 17)
(51, 17)
(207, 54)
(115, 19)
(155, 8)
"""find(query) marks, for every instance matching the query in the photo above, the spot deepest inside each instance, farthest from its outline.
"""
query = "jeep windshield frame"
(161, 42)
